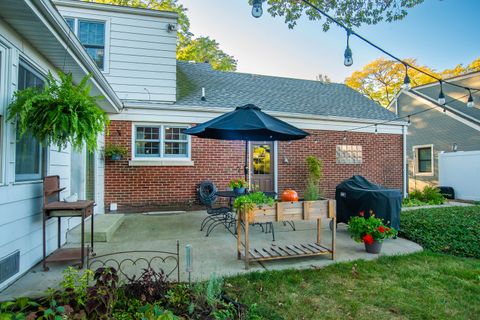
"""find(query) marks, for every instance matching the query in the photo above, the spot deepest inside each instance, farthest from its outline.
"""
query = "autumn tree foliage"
(381, 79)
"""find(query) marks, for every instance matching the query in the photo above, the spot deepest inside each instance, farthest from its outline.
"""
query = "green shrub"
(311, 193)
(315, 174)
(428, 196)
(452, 230)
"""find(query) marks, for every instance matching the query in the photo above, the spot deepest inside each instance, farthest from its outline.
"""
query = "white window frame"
(416, 159)
(3, 107)
(86, 17)
(25, 178)
(162, 157)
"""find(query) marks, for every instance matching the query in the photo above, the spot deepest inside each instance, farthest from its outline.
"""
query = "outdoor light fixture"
(470, 102)
(409, 122)
(348, 60)
(406, 81)
(454, 147)
(257, 9)
(376, 129)
(441, 96)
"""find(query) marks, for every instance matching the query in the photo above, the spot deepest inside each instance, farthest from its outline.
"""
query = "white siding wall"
(21, 203)
(140, 54)
(461, 170)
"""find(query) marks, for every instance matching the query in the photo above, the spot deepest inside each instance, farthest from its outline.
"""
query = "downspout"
(405, 173)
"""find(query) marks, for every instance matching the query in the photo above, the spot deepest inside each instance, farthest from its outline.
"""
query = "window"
(347, 154)
(161, 141)
(92, 36)
(424, 156)
(28, 151)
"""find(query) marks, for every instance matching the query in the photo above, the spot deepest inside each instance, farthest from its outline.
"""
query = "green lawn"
(418, 286)
(427, 285)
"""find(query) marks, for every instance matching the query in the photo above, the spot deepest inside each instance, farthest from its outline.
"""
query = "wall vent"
(9, 266)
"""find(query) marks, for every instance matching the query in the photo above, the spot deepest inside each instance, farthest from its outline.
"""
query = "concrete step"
(104, 227)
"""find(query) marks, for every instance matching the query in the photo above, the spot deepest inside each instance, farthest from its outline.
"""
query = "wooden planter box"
(286, 211)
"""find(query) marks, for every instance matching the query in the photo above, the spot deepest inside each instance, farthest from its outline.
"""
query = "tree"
(381, 79)
(352, 13)
(204, 49)
(199, 49)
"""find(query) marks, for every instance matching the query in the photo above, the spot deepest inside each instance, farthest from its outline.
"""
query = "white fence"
(461, 170)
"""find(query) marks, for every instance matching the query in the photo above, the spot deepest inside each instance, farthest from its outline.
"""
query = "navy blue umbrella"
(247, 123)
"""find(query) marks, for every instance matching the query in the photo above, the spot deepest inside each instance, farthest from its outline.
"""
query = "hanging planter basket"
(61, 113)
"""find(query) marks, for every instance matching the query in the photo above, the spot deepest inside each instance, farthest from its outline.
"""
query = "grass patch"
(418, 286)
(452, 230)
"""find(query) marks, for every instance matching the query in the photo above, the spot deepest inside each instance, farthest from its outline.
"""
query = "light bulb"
(406, 83)
(441, 97)
(470, 102)
(257, 9)
(348, 60)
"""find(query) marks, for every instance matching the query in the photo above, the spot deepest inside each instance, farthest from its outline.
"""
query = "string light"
(470, 102)
(257, 9)
(406, 81)
(409, 122)
(347, 56)
(345, 136)
(441, 95)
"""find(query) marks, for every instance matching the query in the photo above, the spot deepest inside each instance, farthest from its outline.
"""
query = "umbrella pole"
(246, 164)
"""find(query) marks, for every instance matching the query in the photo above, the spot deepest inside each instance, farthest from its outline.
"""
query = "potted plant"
(61, 113)
(315, 173)
(249, 201)
(238, 185)
(371, 231)
(115, 151)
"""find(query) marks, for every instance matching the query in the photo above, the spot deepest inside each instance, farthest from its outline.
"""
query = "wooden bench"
(286, 211)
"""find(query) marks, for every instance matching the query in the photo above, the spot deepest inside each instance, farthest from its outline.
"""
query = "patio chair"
(216, 215)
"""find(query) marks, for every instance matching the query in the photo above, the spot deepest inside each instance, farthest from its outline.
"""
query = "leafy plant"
(249, 201)
(60, 114)
(179, 297)
(115, 149)
(150, 286)
(102, 297)
(369, 229)
(428, 196)
(237, 183)
(75, 286)
(315, 173)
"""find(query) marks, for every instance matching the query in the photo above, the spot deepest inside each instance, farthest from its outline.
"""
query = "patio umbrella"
(247, 123)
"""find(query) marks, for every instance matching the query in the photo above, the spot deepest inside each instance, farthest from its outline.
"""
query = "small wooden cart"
(60, 209)
(286, 211)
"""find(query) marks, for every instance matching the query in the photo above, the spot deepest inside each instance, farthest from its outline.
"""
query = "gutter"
(75, 48)
(218, 110)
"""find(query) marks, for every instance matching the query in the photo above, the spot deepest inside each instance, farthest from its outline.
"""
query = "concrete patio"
(216, 253)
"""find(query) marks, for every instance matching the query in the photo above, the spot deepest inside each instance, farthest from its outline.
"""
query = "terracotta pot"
(289, 195)
(375, 247)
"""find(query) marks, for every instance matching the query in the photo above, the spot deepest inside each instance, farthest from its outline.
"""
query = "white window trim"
(4, 62)
(82, 16)
(160, 161)
(415, 162)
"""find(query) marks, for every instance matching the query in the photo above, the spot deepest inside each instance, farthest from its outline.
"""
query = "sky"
(438, 33)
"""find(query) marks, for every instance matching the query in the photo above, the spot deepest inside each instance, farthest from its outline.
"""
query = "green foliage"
(76, 283)
(237, 183)
(60, 114)
(359, 227)
(429, 196)
(249, 201)
(311, 192)
(115, 149)
(351, 13)
(315, 174)
(452, 230)
(179, 297)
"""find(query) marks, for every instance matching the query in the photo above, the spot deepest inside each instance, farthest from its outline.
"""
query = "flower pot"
(116, 157)
(375, 247)
(239, 190)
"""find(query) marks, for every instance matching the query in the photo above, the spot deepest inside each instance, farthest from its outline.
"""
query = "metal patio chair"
(216, 215)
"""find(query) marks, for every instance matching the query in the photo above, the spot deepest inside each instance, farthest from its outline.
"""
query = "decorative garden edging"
(286, 211)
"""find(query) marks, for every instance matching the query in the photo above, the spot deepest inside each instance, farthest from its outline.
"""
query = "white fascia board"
(451, 112)
(55, 22)
(116, 8)
(193, 115)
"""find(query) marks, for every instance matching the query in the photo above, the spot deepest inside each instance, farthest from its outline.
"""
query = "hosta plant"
(61, 113)
(368, 230)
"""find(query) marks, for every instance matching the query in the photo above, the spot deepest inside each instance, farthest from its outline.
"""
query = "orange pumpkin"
(289, 195)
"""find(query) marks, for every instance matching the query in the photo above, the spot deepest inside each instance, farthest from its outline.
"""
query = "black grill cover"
(358, 194)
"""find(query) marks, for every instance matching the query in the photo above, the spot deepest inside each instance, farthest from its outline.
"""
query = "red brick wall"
(220, 161)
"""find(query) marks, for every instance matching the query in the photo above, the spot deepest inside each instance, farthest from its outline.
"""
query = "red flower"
(381, 229)
(367, 239)
(361, 213)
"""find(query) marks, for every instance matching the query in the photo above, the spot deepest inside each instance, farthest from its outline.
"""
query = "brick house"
(136, 50)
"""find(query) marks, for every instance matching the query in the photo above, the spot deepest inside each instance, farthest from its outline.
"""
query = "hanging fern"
(60, 114)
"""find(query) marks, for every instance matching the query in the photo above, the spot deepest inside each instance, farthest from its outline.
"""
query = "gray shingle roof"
(232, 89)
